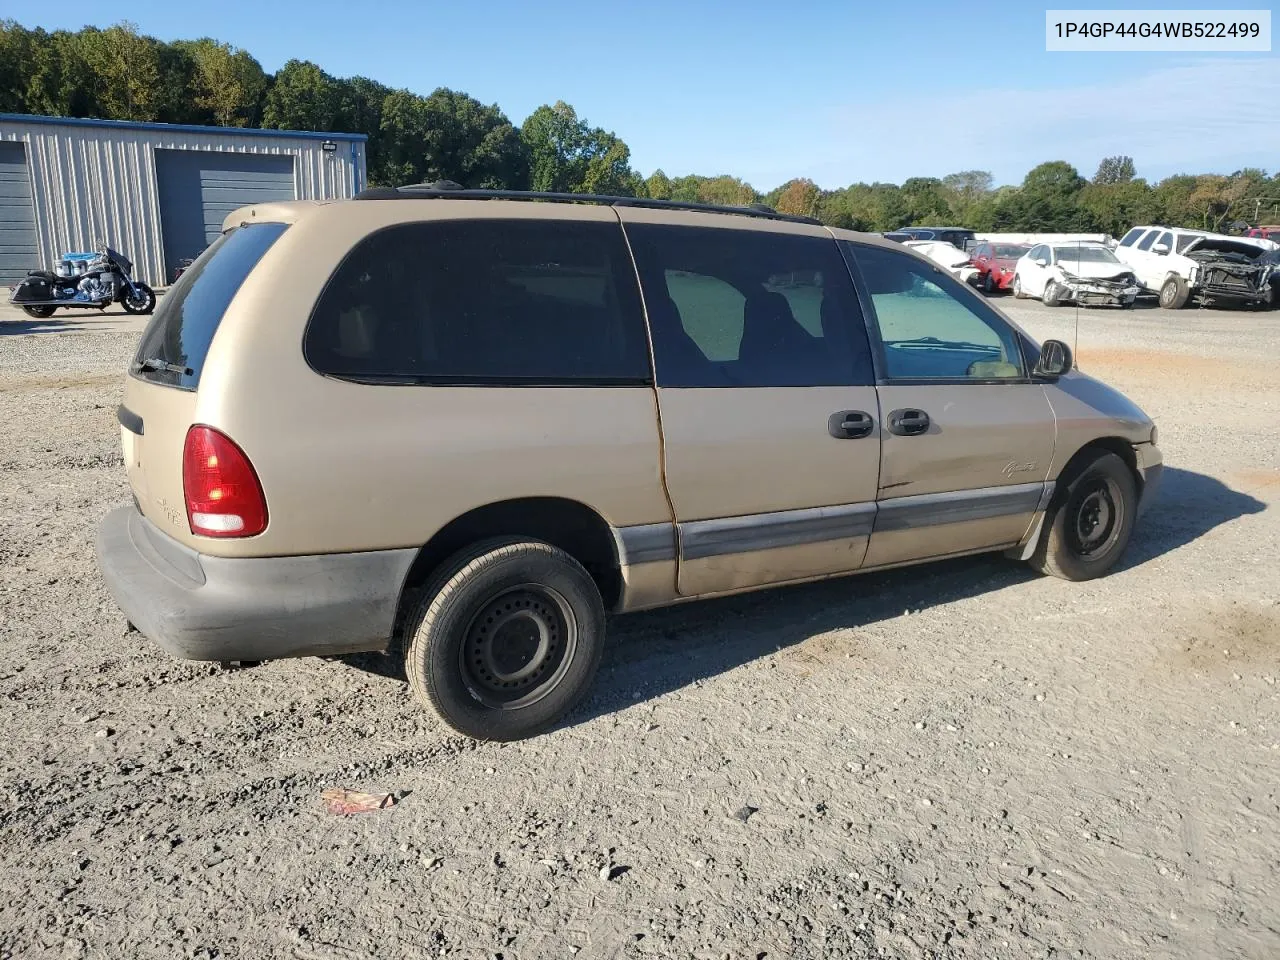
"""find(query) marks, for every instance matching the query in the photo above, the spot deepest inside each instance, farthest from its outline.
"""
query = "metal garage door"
(198, 188)
(17, 216)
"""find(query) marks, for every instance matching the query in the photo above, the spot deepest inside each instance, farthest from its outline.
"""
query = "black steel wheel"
(141, 299)
(1090, 520)
(506, 638)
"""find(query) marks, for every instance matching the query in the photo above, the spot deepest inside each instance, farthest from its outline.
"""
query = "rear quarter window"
(500, 302)
(176, 341)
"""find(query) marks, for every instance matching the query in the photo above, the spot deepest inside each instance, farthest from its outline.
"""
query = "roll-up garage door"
(17, 216)
(198, 188)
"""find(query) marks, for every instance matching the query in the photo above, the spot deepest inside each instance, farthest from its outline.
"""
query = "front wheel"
(1088, 525)
(506, 640)
(1051, 297)
(40, 312)
(141, 299)
(1174, 293)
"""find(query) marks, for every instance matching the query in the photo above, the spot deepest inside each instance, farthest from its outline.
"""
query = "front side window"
(1131, 237)
(930, 327)
(749, 308)
(1039, 253)
(483, 302)
(1146, 242)
(1167, 239)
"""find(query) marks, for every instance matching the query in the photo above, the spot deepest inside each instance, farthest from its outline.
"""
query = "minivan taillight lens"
(224, 497)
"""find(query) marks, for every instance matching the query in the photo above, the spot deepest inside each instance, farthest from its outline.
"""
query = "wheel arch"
(1121, 447)
(572, 526)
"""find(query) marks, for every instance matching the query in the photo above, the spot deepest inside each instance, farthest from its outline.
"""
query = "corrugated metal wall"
(99, 182)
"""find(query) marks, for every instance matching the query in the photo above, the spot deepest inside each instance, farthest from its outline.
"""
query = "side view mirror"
(1160, 248)
(1055, 359)
(1041, 261)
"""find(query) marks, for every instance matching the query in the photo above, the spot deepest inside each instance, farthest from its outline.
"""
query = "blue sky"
(835, 91)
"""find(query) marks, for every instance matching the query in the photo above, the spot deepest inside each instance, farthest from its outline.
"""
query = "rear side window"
(1131, 237)
(483, 302)
(749, 308)
(173, 348)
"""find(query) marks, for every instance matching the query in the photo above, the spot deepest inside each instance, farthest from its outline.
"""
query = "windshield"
(1085, 254)
(1011, 251)
(1185, 240)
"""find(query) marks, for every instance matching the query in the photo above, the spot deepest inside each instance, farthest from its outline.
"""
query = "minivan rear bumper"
(199, 607)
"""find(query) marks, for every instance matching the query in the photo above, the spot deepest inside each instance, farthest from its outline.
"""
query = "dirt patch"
(1186, 370)
(1231, 637)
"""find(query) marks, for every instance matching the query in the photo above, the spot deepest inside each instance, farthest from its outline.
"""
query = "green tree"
(799, 198)
(725, 190)
(658, 186)
(302, 97)
(565, 155)
(228, 84)
(1117, 169)
(125, 71)
(1117, 206)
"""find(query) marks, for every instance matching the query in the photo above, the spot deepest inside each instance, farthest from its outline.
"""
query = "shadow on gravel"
(656, 652)
(1187, 507)
(51, 325)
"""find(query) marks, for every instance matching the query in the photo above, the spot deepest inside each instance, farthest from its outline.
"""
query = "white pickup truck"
(1177, 263)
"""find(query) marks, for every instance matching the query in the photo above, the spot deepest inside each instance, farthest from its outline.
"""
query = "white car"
(1082, 272)
(955, 261)
(1176, 263)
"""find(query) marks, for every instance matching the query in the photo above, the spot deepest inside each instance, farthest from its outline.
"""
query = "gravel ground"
(960, 760)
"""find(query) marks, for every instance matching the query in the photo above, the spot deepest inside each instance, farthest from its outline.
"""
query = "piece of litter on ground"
(743, 813)
(341, 801)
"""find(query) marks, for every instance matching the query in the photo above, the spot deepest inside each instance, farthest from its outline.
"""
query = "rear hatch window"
(174, 345)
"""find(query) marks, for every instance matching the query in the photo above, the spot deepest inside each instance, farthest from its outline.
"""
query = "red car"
(1267, 231)
(995, 263)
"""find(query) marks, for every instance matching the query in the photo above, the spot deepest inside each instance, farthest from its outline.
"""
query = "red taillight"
(224, 497)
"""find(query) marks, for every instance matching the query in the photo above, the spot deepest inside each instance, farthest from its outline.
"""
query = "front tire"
(1089, 522)
(506, 640)
(1050, 297)
(141, 300)
(1174, 293)
(41, 312)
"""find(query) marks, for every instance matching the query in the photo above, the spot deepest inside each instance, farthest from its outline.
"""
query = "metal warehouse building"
(157, 192)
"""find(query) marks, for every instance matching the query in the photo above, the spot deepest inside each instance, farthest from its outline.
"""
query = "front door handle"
(850, 424)
(908, 423)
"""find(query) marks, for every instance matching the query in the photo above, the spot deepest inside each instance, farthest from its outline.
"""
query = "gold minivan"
(466, 424)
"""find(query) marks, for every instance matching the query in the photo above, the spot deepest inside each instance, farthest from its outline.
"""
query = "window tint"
(1184, 241)
(483, 301)
(1146, 242)
(751, 309)
(930, 326)
(1167, 239)
(1131, 236)
(178, 336)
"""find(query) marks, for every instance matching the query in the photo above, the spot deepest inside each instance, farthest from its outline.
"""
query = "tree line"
(118, 73)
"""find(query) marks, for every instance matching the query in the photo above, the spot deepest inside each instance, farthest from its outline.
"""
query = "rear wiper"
(152, 364)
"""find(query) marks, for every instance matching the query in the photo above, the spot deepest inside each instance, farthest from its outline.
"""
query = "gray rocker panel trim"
(936, 509)
(769, 531)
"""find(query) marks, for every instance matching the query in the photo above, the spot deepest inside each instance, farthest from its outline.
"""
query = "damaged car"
(1178, 264)
(1085, 273)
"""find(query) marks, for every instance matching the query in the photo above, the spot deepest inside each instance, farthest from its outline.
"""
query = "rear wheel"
(1174, 294)
(39, 312)
(1017, 288)
(988, 285)
(141, 299)
(506, 640)
(1088, 525)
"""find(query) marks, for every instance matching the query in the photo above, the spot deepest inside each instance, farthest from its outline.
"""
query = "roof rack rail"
(447, 189)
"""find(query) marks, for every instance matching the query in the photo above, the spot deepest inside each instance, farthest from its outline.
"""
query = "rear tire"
(506, 639)
(42, 312)
(1089, 522)
(988, 287)
(1017, 288)
(1174, 293)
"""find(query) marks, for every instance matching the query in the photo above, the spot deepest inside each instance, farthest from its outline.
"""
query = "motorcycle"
(85, 281)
